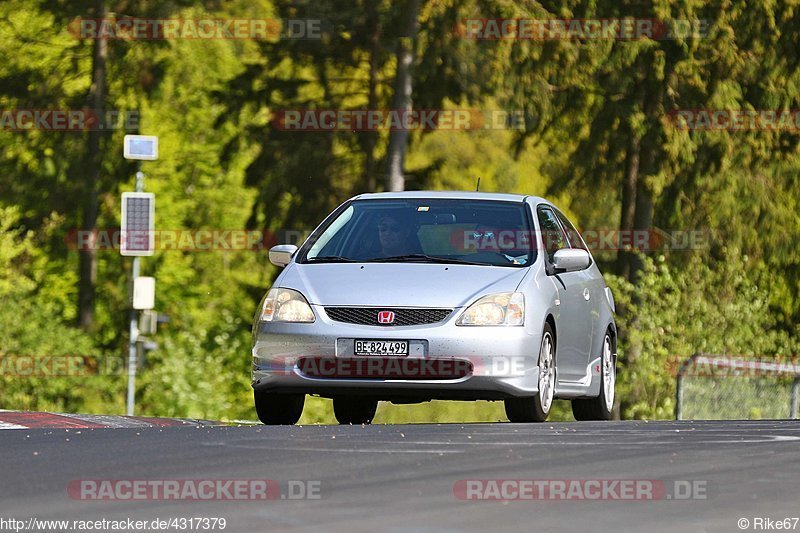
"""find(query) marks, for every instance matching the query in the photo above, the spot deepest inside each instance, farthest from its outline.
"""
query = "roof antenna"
(478, 186)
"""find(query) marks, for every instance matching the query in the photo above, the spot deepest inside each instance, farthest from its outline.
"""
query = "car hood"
(397, 284)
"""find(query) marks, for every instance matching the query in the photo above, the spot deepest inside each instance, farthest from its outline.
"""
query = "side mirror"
(571, 259)
(281, 254)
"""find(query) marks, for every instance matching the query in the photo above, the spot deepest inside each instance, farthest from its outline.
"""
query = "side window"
(552, 234)
(573, 236)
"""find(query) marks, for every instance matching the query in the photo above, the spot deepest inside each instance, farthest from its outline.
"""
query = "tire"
(601, 407)
(279, 409)
(354, 409)
(537, 408)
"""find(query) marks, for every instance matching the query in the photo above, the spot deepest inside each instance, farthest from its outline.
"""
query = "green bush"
(702, 306)
(33, 328)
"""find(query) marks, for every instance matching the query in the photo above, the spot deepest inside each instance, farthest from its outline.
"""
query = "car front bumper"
(502, 360)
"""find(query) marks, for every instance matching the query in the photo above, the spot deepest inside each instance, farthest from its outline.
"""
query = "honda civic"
(414, 296)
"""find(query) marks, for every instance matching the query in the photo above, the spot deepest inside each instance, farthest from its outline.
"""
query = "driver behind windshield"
(396, 236)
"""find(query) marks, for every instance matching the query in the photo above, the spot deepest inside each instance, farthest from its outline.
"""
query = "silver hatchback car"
(414, 296)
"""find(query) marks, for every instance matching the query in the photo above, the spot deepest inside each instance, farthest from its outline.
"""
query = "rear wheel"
(536, 408)
(279, 409)
(354, 409)
(600, 408)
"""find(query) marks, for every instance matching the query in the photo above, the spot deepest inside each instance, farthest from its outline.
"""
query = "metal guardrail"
(794, 401)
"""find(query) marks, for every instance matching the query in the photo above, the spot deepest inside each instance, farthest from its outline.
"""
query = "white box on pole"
(144, 293)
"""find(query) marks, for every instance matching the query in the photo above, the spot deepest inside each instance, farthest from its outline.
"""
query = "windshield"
(481, 232)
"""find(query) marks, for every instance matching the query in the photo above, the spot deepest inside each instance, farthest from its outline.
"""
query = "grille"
(368, 316)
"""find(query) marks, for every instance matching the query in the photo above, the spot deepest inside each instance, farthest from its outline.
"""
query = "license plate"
(380, 347)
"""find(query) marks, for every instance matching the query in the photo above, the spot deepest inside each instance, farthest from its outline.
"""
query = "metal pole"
(795, 397)
(679, 385)
(134, 328)
(134, 335)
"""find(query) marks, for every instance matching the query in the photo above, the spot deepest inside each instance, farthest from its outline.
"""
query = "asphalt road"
(402, 477)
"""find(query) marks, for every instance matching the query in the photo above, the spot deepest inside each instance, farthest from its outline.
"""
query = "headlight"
(502, 309)
(286, 305)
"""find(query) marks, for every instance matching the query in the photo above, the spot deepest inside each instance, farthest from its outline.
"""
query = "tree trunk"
(398, 138)
(91, 169)
(370, 138)
(642, 219)
(643, 216)
(630, 186)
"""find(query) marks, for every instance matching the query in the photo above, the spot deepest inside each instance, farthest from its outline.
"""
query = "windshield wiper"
(329, 259)
(422, 257)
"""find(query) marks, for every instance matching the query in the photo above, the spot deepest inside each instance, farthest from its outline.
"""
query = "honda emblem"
(385, 317)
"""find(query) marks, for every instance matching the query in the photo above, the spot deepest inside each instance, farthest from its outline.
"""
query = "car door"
(573, 323)
(592, 292)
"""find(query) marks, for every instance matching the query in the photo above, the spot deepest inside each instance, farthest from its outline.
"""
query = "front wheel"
(537, 408)
(354, 409)
(279, 409)
(601, 407)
